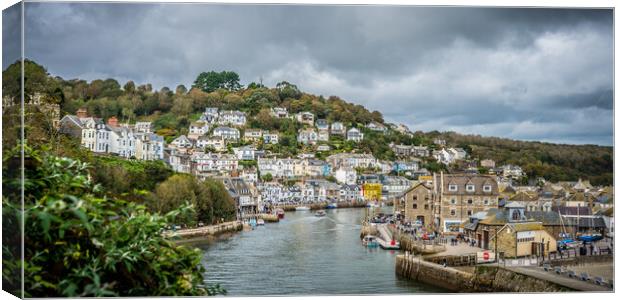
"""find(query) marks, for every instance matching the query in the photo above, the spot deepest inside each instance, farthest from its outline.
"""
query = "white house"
(144, 127)
(270, 137)
(198, 129)
(216, 142)
(245, 153)
(323, 135)
(210, 115)
(149, 146)
(252, 135)
(354, 135)
(181, 142)
(321, 124)
(375, 126)
(346, 176)
(232, 117)
(279, 112)
(227, 133)
(338, 128)
(307, 136)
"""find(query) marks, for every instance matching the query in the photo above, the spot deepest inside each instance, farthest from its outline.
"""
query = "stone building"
(460, 196)
(418, 204)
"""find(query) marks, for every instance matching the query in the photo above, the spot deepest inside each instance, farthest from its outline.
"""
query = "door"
(479, 243)
(485, 244)
(421, 219)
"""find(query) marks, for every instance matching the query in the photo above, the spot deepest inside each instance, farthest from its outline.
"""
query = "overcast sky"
(532, 74)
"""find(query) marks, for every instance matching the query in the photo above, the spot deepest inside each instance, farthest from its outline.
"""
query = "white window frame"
(453, 187)
(487, 188)
(453, 201)
(470, 188)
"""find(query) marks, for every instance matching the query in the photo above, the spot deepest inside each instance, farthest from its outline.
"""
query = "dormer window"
(486, 188)
(470, 188)
(452, 188)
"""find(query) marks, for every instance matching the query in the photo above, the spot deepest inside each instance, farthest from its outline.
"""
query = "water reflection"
(302, 255)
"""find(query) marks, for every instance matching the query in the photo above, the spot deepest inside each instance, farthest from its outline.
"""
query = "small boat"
(370, 241)
(302, 208)
(260, 222)
(332, 206)
(320, 213)
(590, 237)
(280, 213)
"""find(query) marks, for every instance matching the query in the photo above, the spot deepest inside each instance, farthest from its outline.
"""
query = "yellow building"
(371, 191)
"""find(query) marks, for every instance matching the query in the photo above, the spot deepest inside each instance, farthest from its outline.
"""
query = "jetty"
(205, 230)
(386, 239)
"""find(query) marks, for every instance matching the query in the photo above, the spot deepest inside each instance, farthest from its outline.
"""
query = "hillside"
(172, 111)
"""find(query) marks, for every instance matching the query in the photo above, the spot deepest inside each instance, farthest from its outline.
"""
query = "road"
(563, 280)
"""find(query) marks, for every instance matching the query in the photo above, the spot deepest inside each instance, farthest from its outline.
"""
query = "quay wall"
(407, 243)
(482, 279)
(211, 230)
(368, 229)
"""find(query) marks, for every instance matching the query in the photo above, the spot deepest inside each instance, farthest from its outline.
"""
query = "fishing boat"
(370, 241)
(280, 213)
(260, 222)
(302, 208)
(320, 213)
(332, 206)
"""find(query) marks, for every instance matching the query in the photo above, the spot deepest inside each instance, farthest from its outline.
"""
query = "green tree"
(211, 81)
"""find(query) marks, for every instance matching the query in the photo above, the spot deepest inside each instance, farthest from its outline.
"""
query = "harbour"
(305, 254)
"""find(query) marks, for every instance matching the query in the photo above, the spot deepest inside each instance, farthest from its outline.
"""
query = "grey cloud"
(455, 68)
(11, 35)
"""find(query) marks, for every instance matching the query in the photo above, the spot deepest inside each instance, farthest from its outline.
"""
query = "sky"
(523, 73)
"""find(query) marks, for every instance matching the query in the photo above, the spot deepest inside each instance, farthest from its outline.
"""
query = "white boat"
(260, 222)
(302, 208)
(320, 213)
(370, 241)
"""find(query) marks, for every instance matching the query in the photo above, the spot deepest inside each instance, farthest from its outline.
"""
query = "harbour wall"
(482, 279)
(211, 230)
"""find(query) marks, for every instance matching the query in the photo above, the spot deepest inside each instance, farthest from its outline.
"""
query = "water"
(302, 255)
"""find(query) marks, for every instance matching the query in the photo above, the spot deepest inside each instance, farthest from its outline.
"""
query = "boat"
(260, 222)
(332, 206)
(280, 213)
(590, 237)
(370, 241)
(302, 208)
(320, 213)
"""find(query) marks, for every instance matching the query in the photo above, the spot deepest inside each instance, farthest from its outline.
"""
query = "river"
(304, 255)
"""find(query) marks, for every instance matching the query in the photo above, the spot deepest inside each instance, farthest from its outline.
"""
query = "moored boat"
(280, 213)
(320, 213)
(370, 241)
(332, 206)
(302, 208)
(260, 222)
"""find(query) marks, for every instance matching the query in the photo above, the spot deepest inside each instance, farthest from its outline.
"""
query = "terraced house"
(460, 196)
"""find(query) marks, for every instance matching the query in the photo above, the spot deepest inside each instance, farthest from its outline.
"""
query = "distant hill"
(171, 111)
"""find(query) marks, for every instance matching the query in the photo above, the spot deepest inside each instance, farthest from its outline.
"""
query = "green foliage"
(211, 81)
(554, 162)
(267, 177)
(81, 245)
(210, 198)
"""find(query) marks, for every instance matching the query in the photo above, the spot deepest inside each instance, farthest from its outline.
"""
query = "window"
(426, 206)
(470, 201)
(453, 201)
(486, 188)
(486, 201)
(453, 212)
(415, 197)
(452, 188)
(415, 206)
(470, 188)
(469, 213)
(516, 215)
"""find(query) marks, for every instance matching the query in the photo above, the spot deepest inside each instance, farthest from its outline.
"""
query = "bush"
(80, 245)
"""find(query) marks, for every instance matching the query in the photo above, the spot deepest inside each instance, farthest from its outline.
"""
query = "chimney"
(82, 113)
(113, 121)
